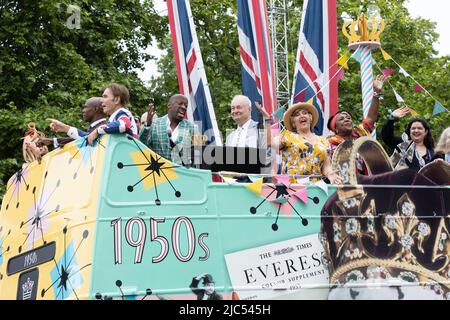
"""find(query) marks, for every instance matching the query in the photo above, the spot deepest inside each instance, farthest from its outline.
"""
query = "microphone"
(169, 134)
(172, 145)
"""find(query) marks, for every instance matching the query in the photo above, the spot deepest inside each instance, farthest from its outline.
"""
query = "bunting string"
(342, 65)
(334, 76)
(387, 78)
(406, 74)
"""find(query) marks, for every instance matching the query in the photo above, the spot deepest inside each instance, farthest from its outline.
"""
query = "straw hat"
(303, 105)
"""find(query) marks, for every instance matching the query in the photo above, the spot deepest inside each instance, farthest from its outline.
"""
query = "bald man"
(170, 135)
(92, 113)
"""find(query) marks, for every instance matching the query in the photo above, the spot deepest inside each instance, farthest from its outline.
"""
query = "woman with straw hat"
(303, 152)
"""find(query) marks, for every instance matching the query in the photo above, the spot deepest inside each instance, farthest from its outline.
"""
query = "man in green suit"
(170, 135)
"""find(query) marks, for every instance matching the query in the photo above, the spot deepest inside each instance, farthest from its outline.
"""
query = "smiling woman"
(414, 149)
(303, 152)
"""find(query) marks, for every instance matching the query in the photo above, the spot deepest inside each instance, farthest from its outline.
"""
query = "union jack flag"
(258, 76)
(316, 60)
(190, 69)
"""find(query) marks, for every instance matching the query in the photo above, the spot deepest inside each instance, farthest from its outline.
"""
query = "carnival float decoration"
(364, 36)
(117, 221)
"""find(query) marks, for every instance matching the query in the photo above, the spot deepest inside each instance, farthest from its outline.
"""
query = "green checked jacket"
(156, 138)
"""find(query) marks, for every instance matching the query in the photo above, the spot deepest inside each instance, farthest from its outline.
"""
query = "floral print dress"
(300, 156)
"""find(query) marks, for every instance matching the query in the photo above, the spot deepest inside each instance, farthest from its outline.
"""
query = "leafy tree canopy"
(55, 54)
(48, 67)
(410, 41)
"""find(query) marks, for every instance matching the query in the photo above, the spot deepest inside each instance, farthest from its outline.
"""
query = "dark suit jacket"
(63, 141)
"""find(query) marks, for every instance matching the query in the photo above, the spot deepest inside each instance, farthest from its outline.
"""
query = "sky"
(434, 10)
(437, 11)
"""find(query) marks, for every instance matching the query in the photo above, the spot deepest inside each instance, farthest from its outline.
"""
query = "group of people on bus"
(303, 152)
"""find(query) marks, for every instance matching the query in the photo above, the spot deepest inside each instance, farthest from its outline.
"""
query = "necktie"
(240, 129)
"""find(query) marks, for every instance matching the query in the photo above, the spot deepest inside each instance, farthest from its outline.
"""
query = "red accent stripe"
(173, 31)
(258, 82)
(191, 62)
(312, 76)
(300, 97)
(247, 59)
(191, 100)
(249, 63)
(333, 55)
(127, 123)
(262, 55)
(272, 66)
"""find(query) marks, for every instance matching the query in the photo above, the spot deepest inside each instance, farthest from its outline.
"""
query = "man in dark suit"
(92, 113)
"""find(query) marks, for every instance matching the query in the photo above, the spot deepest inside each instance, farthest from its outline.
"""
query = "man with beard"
(170, 135)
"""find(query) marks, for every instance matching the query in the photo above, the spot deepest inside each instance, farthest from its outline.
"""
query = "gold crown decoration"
(363, 31)
(381, 239)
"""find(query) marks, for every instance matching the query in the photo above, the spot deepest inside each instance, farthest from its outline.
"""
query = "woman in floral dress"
(303, 152)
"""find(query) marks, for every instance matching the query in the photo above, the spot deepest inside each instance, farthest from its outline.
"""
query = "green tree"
(55, 54)
(217, 32)
(410, 41)
(47, 69)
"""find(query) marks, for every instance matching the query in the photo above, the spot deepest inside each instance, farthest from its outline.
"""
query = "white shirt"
(175, 132)
(73, 132)
(113, 117)
(93, 124)
(240, 135)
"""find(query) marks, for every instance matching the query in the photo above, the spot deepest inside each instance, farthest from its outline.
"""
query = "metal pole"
(278, 30)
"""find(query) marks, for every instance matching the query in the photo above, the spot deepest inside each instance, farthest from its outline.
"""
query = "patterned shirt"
(364, 129)
(121, 121)
(300, 156)
(157, 138)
